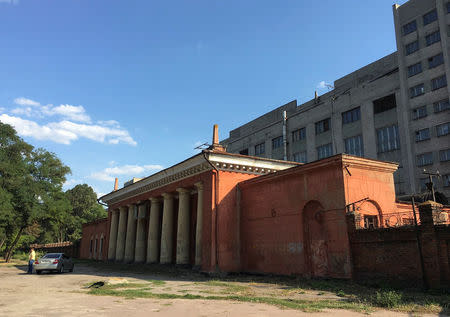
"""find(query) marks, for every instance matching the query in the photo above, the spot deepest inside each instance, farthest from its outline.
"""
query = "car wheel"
(38, 272)
(61, 269)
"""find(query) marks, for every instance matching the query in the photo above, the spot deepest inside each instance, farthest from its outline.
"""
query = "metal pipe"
(419, 244)
(284, 135)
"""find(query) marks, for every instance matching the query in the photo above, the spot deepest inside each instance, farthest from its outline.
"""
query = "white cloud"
(109, 173)
(65, 132)
(113, 123)
(75, 113)
(323, 84)
(26, 102)
(71, 182)
(2, 109)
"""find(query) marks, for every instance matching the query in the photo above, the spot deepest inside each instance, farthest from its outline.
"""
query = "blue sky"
(124, 88)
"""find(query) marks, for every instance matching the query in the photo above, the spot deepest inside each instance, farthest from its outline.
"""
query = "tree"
(29, 179)
(85, 208)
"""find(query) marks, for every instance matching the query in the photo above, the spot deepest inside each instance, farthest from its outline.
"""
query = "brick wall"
(93, 242)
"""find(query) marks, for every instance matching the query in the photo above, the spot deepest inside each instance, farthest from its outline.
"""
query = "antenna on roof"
(202, 146)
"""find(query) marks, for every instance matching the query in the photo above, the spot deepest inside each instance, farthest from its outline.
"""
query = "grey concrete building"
(395, 109)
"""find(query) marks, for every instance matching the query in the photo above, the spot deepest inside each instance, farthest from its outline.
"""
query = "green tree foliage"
(30, 179)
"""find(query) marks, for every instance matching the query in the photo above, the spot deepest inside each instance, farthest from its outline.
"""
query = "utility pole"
(430, 185)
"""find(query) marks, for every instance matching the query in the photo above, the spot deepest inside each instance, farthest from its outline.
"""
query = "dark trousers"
(30, 266)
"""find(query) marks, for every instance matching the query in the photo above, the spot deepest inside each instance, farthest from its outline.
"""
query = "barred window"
(420, 112)
(409, 27)
(298, 134)
(433, 38)
(277, 142)
(299, 157)
(436, 60)
(414, 69)
(430, 17)
(412, 47)
(438, 82)
(351, 115)
(441, 105)
(443, 129)
(260, 149)
(324, 151)
(444, 155)
(416, 91)
(422, 135)
(354, 146)
(388, 139)
(323, 126)
(425, 159)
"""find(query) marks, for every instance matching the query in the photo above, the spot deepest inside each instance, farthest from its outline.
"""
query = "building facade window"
(448, 7)
(439, 82)
(370, 222)
(443, 129)
(414, 69)
(441, 105)
(299, 157)
(444, 155)
(409, 27)
(425, 159)
(420, 112)
(388, 139)
(411, 47)
(384, 104)
(354, 146)
(433, 38)
(323, 126)
(351, 115)
(277, 142)
(298, 134)
(416, 91)
(446, 180)
(422, 135)
(435, 60)
(324, 151)
(430, 17)
(244, 152)
(260, 149)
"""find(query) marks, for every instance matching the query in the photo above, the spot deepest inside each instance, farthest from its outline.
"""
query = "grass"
(157, 282)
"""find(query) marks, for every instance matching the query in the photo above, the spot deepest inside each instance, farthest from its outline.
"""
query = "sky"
(126, 88)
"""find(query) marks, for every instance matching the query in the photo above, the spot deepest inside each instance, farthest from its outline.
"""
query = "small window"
(425, 159)
(277, 142)
(409, 27)
(448, 7)
(420, 112)
(433, 38)
(422, 135)
(441, 105)
(351, 116)
(260, 149)
(438, 82)
(388, 139)
(324, 151)
(430, 17)
(298, 135)
(354, 146)
(299, 157)
(444, 155)
(370, 222)
(414, 69)
(322, 126)
(416, 91)
(384, 104)
(244, 152)
(412, 47)
(446, 180)
(443, 129)
(435, 61)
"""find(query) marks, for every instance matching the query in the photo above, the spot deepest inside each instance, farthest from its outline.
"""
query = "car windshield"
(51, 256)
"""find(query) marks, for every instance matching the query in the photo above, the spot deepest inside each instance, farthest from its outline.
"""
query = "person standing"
(31, 258)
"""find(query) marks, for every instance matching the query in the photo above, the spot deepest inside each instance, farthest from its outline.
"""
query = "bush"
(388, 299)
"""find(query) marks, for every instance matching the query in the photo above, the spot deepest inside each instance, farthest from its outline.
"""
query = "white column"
(182, 256)
(154, 241)
(131, 234)
(139, 253)
(167, 230)
(121, 233)
(113, 235)
(199, 228)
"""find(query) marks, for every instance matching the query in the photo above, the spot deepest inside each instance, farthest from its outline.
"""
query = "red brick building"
(230, 212)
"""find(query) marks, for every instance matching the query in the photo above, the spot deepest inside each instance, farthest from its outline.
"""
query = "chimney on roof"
(116, 184)
(215, 141)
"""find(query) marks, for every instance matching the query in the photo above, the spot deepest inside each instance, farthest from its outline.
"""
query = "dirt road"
(64, 295)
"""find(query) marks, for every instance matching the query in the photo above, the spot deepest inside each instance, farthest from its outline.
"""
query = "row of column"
(127, 240)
